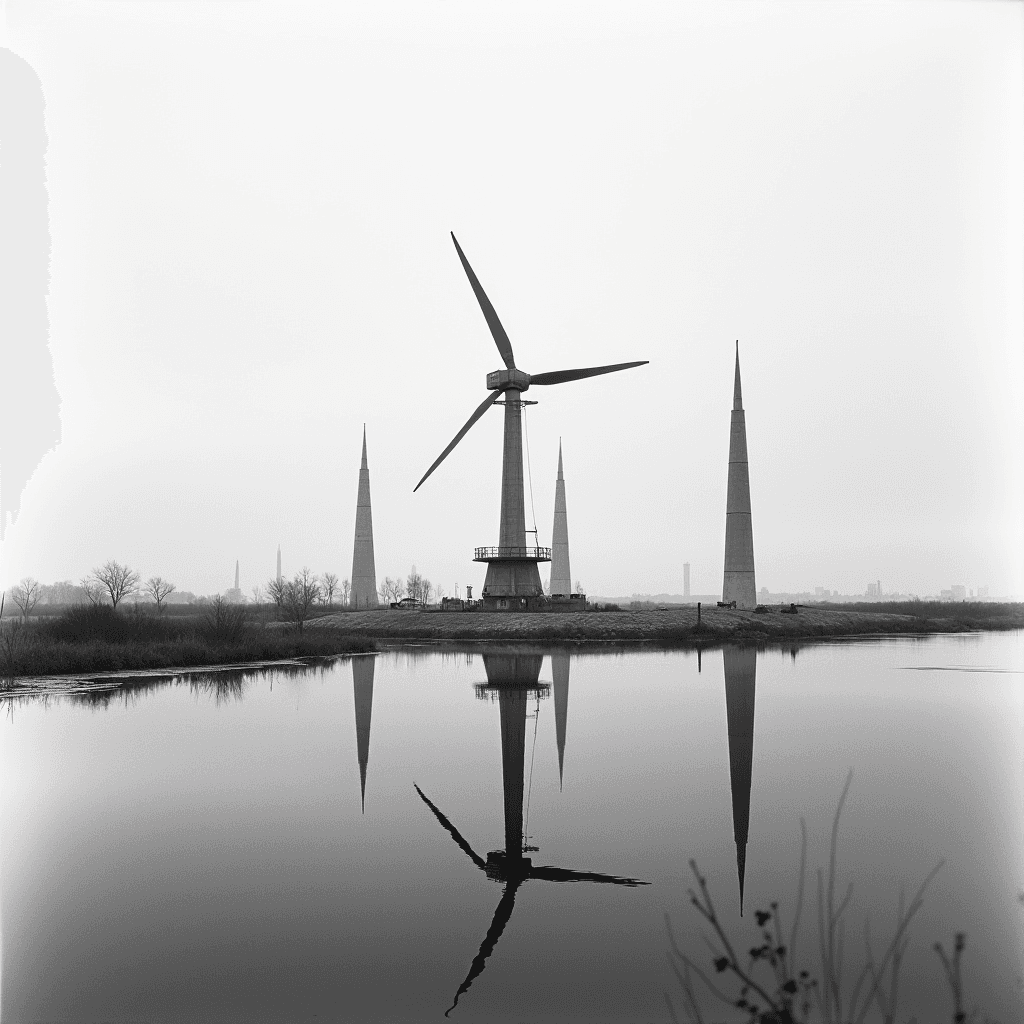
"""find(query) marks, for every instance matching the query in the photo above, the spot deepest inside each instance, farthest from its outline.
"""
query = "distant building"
(982, 593)
(234, 595)
(686, 579)
(874, 590)
(958, 592)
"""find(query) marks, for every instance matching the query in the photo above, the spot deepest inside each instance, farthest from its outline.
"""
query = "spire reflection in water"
(512, 678)
(740, 672)
(560, 685)
(362, 689)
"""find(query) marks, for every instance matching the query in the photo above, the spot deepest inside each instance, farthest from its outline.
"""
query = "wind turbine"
(512, 575)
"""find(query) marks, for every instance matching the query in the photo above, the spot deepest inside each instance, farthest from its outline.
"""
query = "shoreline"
(672, 628)
(676, 626)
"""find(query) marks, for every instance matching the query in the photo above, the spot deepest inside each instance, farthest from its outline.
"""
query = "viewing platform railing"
(501, 553)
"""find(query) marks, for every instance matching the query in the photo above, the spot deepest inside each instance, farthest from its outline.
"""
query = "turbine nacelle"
(501, 380)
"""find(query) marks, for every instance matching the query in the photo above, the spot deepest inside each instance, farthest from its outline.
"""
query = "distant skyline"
(249, 208)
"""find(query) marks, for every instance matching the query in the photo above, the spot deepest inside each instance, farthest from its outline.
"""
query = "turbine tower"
(738, 584)
(364, 575)
(512, 575)
(561, 577)
(236, 574)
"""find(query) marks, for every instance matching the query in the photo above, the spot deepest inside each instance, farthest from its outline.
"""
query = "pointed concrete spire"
(362, 688)
(740, 676)
(364, 574)
(738, 583)
(737, 391)
(561, 576)
(236, 574)
(560, 681)
(278, 563)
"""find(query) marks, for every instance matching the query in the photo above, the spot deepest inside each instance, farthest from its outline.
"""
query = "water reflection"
(512, 678)
(560, 684)
(740, 670)
(362, 689)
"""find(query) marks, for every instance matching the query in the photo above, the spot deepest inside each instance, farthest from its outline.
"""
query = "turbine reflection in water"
(512, 678)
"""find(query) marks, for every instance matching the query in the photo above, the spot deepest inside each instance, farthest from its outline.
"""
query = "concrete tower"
(364, 575)
(738, 584)
(362, 687)
(236, 574)
(561, 577)
(278, 563)
(686, 579)
(740, 675)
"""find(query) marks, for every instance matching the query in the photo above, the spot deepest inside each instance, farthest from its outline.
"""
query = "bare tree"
(328, 587)
(300, 594)
(441, 593)
(275, 591)
(93, 591)
(391, 589)
(158, 588)
(62, 592)
(426, 590)
(257, 595)
(117, 580)
(346, 592)
(26, 594)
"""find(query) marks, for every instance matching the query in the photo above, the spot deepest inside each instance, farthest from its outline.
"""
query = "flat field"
(675, 625)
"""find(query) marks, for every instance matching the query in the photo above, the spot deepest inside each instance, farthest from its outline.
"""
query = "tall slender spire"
(561, 576)
(737, 390)
(740, 676)
(364, 574)
(236, 574)
(560, 681)
(738, 583)
(362, 688)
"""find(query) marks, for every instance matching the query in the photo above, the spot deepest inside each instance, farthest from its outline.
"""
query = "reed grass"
(767, 986)
(95, 639)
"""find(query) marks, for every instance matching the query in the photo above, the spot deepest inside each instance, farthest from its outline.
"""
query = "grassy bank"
(87, 640)
(676, 625)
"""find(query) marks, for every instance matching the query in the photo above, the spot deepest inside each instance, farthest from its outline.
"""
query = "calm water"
(202, 852)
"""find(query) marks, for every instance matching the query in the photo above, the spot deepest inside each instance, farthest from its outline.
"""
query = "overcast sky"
(250, 206)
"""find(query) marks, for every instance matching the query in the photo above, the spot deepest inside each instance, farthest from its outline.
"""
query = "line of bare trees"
(113, 582)
(110, 584)
(416, 586)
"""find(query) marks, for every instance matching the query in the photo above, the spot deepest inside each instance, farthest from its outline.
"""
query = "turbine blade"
(498, 332)
(501, 918)
(480, 410)
(453, 831)
(564, 376)
(552, 874)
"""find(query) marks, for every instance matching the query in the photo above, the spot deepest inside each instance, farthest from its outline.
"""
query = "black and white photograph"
(512, 513)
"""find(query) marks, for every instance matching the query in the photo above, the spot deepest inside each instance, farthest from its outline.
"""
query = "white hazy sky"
(250, 206)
